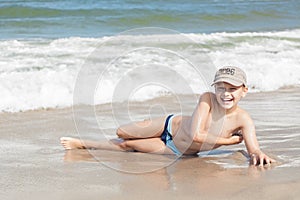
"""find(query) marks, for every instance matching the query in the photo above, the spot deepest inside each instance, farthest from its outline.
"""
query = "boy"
(217, 120)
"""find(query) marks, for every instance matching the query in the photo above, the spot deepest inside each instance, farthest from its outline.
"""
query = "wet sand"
(35, 166)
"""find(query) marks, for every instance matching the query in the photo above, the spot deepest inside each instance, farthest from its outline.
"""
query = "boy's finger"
(261, 161)
(254, 161)
(268, 162)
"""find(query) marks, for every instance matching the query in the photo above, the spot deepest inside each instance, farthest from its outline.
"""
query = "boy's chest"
(222, 126)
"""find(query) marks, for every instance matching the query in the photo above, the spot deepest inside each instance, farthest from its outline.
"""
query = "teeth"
(227, 99)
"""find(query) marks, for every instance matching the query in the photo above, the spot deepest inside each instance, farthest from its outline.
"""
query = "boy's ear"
(245, 90)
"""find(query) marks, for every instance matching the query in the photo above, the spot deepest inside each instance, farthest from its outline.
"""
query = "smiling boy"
(217, 120)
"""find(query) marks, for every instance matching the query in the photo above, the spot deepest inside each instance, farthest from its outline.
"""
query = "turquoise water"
(91, 18)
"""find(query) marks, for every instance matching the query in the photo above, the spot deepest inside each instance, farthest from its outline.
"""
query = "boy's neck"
(231, 110)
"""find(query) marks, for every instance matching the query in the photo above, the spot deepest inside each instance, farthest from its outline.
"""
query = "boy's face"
(229, 95)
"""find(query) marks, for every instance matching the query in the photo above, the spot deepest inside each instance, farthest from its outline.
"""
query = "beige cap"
(232, 75)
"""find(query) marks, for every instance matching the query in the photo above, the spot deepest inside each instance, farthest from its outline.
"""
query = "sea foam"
(42, 73)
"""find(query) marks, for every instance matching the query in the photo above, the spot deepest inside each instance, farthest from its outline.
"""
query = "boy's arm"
(198, 123)
(203, 137)
(249, 135)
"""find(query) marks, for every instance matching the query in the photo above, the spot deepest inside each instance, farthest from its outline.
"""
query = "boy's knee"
(120, 133)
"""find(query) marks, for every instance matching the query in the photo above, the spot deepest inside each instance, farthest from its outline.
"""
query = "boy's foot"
(71, 143)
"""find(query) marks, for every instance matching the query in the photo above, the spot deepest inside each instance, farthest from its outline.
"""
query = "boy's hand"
(259, 158)
(235, 139)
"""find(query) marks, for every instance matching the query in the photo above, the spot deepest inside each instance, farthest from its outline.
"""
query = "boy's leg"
(149, 145)
(74, 143)
(143, 129)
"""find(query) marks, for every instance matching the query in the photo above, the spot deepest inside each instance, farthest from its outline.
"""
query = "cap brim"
(230, 81)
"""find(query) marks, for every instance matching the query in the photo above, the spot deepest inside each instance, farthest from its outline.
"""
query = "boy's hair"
(232, 75)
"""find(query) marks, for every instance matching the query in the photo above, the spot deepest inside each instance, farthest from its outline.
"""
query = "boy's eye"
(220, 89)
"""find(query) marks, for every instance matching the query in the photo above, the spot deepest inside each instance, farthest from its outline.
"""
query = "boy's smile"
(229, 95)
(227, 101)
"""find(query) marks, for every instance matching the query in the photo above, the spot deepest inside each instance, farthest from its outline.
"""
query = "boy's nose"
(226, 93)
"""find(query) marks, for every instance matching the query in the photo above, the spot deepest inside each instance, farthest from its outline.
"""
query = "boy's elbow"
(195, 139)
(200, 137)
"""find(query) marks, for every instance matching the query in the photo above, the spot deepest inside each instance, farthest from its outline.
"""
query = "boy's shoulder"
(243, 115)
(207, 95)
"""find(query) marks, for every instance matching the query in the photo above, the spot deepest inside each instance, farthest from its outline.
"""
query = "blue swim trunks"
(166, 136)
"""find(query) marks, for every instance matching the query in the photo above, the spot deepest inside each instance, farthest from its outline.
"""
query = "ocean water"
(59, 53)
(91, 18)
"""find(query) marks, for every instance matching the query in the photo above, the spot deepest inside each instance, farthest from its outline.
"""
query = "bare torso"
(218, 124)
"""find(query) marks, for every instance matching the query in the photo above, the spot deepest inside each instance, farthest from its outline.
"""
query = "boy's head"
(230, 86)
(232, 75)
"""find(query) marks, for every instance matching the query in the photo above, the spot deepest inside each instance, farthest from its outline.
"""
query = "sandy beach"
(35, 166)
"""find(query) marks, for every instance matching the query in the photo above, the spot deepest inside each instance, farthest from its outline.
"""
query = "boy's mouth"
(227, 100)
